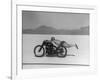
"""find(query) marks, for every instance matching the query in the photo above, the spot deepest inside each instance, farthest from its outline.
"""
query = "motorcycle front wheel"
(38, 52)
(63, 53)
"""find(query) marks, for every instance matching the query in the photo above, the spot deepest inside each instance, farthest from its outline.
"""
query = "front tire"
(63, 54)
(38, 53)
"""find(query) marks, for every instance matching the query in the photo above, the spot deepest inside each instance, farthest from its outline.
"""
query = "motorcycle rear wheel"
(64, 54)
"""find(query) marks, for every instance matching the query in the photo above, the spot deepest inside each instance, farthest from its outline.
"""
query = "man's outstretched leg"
(70, 45)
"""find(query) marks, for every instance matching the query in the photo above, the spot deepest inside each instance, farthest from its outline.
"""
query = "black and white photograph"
(55, 38)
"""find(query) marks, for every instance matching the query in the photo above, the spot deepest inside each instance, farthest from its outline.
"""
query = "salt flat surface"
(81, 55)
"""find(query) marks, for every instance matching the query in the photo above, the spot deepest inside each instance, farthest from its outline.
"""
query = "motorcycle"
(49, 49)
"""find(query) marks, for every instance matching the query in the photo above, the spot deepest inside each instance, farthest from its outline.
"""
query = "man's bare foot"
(76, 46)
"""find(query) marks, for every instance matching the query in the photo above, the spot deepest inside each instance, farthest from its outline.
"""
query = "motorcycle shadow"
(56, 55)
(70, 55)
(53, 55)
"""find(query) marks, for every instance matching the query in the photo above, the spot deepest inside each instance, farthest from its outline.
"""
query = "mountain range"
(50, 30)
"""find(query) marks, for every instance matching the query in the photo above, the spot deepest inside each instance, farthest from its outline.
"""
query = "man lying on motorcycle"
(59, 43)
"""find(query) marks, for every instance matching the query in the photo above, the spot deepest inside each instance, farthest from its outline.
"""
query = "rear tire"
(37, 53)
(64, 54)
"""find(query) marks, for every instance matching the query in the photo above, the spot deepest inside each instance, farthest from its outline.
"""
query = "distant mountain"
(51, 30)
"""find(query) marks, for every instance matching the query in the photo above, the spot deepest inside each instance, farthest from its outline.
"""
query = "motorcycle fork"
(41, 47)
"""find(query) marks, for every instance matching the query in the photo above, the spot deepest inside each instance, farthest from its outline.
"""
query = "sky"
(34, 19)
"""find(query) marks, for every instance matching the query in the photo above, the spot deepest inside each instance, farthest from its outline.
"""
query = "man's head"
(52, 38)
